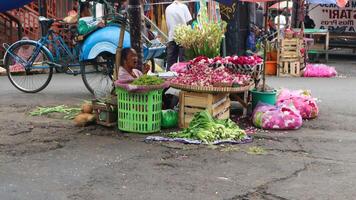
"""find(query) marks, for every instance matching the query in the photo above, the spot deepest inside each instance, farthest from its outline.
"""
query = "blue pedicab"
(30, 64)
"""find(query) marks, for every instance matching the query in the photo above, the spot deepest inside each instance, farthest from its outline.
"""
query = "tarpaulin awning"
(6, 5)
(340, 3)
(283, 4)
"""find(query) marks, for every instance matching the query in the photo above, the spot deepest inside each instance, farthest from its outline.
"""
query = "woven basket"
(207, 89)
(222, 85)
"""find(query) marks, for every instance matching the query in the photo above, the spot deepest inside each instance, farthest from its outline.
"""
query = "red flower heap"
(203, 71)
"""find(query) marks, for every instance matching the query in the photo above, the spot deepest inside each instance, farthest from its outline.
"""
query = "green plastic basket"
(139, 112)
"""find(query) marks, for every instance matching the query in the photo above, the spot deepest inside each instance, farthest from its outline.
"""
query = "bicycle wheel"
(29, 78)
(98, 76)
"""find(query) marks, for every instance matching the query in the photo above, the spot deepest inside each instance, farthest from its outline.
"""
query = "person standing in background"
(177, 13)
(87, 23)
(259, 16)
(308, 22)
(281, 20)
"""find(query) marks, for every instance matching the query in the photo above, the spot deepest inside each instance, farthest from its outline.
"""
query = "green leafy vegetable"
(207, 129)
(70, 113)
(148, 80)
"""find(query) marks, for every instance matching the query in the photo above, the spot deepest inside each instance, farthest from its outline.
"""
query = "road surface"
(48, 158)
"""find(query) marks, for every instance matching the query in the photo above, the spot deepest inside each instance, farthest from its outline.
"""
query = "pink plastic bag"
(319, 70)
(302, 101)
(276, 117)
(179, 67)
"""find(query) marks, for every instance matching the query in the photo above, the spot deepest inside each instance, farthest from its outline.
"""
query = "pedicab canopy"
(6, 5)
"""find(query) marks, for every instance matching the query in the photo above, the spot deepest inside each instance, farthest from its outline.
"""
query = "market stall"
(207, 84)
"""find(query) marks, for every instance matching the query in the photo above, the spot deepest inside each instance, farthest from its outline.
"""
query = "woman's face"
(131, 60)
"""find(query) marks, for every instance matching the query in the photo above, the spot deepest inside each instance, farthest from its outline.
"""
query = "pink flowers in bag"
(292, 107)
(319, 70)
(284, 117)
(302, 101)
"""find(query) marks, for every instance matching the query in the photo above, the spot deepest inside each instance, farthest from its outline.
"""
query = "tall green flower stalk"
(202, 40)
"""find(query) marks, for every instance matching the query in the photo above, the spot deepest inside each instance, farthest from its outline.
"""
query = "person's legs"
(181, 54)
(172, 54)
(169, 101)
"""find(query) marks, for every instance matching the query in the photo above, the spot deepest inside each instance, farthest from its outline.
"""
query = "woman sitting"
(127, 70)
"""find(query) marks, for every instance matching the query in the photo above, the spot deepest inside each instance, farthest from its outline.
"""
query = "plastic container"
(268, 97)
(139, 112)
(271, 68)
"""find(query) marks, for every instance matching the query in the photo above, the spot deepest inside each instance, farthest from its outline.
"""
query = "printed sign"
(333, 18)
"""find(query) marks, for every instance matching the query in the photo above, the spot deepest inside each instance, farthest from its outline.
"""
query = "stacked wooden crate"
(218, 105)
(291, 58)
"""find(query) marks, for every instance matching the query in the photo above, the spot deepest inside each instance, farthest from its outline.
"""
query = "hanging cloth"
(164, 28)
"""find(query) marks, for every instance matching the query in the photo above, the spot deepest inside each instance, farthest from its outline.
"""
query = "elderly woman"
(127, 70)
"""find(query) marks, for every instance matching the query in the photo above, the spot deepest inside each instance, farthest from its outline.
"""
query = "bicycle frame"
(58, 44)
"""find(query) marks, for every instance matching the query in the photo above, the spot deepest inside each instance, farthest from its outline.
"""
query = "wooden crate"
(290, 68)
(218, 105)
(290, 49)
(106, 114)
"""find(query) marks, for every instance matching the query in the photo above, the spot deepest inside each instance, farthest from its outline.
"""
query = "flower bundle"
(201, 40)
(201, 74)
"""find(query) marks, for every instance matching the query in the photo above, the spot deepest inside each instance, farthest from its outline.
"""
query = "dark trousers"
(174, 52)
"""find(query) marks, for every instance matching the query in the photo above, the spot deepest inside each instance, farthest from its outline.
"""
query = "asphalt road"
(48, 158)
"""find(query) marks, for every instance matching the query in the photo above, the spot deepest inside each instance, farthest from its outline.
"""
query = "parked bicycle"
(30, 64)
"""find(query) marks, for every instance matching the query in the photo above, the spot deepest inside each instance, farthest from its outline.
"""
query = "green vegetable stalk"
(148, 80)
(70, 113)
(205, 128)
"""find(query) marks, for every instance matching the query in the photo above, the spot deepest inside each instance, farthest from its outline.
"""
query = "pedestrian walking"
(177, 13)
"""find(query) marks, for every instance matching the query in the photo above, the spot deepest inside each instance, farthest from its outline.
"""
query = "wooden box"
(218, 105)
(290, 49)
(290, 68)
(105, 113)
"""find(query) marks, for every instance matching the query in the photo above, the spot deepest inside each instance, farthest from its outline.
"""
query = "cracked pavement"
(48, 158)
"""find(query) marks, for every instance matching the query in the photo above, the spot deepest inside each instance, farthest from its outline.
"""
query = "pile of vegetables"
(69, 113)
(86, 115)
(148, 80)
(205, 128)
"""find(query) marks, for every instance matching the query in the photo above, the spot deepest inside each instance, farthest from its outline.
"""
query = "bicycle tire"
(11, 64)
(101, 73)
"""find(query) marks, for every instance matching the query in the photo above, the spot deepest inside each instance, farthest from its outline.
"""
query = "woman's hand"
(146, 68)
